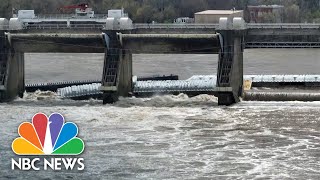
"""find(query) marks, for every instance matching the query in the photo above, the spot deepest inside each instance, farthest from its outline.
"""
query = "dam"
(171, 125)
(118, 38)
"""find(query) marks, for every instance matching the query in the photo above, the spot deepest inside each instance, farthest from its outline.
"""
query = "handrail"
(64, 26)
(174, 26)
(68, 16)
(282, 26)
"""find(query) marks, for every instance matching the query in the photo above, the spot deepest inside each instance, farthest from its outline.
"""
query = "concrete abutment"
(11, 72)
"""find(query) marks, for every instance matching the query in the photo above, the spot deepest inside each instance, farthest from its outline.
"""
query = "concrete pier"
(117, 70)
(230, 69)
(230, 65)
(11, 70)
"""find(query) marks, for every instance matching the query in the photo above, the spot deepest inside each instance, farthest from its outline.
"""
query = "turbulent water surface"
(175, 137)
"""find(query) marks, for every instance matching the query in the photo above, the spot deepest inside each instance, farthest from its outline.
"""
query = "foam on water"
(171, 137)
(169, 101)
(175, 137)
(39, 95)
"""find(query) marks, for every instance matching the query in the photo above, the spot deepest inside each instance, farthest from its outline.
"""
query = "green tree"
(292, 14)
(165, 10)
(5, 8)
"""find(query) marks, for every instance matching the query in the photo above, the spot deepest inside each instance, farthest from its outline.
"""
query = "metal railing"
(175, 26)
(282, 45)
(282, 26)
(215, 26)
(69, 16)
(168, 26)
(135, 26)
(64, 26)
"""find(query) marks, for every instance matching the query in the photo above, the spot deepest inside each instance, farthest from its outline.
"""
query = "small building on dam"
(213, 16)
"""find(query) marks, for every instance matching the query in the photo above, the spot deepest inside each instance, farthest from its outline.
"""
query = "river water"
(175, 137)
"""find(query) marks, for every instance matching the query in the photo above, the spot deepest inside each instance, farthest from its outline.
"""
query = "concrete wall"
(171, 43)
(283, 35)
(53, 42)
(174, 31)
(214, 18)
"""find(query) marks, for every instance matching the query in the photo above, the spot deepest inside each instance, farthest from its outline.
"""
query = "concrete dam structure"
(118, 45)
(118, 38)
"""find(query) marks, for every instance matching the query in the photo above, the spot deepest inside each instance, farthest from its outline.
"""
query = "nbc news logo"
(44, 137)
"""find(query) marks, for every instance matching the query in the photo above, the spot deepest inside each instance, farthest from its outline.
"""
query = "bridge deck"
(53, 42)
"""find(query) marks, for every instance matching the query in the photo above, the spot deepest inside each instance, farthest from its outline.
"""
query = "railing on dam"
(253, 26)
(282, 26)
(135, 26)
(65, 26)
(69, 16)
(215, 26)
(176, 26)
(282, 45)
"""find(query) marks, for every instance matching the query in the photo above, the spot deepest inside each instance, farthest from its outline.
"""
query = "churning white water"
(176, 137)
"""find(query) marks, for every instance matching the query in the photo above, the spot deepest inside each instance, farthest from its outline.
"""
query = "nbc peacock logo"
(48, 136)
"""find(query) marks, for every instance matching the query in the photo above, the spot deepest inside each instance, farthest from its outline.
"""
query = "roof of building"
(219, 12)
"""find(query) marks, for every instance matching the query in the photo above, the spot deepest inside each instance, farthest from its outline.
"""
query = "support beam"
(170, 43)
(53, 42)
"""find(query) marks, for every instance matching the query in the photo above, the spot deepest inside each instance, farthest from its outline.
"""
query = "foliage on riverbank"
(147, 11)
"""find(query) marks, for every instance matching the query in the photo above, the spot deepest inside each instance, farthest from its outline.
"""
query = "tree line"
(146, 11)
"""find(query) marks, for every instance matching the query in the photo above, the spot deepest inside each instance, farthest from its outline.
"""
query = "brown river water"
(175, 137)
